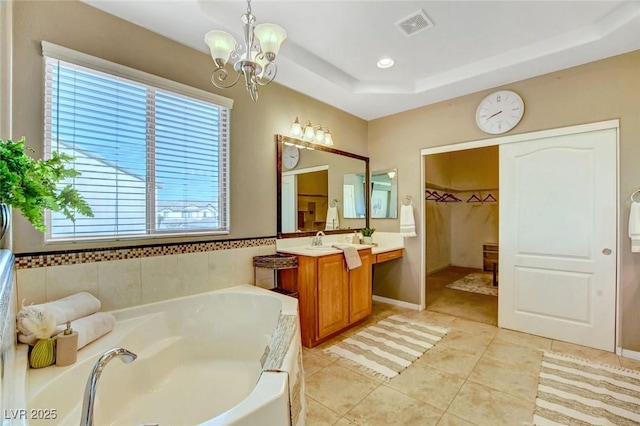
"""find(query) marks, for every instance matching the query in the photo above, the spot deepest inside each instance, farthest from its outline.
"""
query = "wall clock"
(499, 112)
(290, 157)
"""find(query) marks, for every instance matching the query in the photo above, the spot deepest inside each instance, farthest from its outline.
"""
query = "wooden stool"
(494, 268)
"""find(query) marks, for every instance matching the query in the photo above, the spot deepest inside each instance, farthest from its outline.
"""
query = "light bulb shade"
(221, 45)
(328, 140)
(309, 134)
(320, 135)
(391, 174)
(271, 37)
(296, 129)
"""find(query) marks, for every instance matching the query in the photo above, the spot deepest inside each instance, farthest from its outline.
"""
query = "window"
(153, 161)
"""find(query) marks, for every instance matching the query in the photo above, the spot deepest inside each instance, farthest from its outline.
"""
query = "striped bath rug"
(577, 392)
(389, 346)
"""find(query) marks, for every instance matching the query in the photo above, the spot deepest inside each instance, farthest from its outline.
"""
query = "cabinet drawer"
(388, 255)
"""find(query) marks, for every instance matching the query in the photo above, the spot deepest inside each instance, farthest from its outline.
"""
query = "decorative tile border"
(40, 260)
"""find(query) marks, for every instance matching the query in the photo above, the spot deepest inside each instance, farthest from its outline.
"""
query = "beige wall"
(437, 215)
(473, 171)
(601, 90)
(455, 232)
(80, 27)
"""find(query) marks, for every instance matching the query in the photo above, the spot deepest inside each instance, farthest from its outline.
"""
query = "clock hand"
(493, 115)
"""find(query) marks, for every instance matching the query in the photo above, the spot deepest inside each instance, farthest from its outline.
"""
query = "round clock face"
(290, 157)
(499, 112)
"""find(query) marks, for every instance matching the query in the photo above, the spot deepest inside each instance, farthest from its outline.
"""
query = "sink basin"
(321, 248)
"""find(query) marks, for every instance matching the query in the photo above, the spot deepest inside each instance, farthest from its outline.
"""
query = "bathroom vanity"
(330, 297)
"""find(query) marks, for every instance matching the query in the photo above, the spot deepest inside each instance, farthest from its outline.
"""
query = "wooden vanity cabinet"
(330, 297)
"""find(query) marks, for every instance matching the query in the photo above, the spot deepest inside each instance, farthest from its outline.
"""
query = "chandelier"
(254, 59)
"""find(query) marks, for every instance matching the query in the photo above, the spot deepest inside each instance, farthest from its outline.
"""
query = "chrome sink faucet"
(317, 240)
(92, 383)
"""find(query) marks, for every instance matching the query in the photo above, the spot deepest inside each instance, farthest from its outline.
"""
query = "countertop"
(327, 249)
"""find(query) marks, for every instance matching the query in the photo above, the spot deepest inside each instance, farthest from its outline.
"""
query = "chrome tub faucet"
(92, 383)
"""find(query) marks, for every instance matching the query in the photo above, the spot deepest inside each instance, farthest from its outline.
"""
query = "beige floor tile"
(506, 378)
(357, 368)
(450, 360)
(319, 415)
(385, 406)
(339, 388)
(590, 354)
(426, 384)
(487, 407)
(430, 317)
(451, 420)
(314, 362)
(341, 422)
(523, 339)
(527, 359)
(474, 343)
(474, 327)
(633, 364)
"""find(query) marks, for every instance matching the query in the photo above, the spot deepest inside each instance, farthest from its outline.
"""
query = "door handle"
(606, 251)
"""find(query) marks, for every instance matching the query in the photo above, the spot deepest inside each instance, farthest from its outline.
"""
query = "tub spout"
(92, 382)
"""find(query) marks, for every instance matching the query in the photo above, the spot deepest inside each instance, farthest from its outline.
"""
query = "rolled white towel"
(66, 309)
(93, 327)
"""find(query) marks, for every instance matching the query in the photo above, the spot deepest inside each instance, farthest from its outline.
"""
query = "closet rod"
(444, 188)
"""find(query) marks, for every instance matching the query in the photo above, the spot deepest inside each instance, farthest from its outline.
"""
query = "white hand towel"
(66, 309)
(93, 327)
(407, 222)
(332, 219)
(634, 227)
(351, 255)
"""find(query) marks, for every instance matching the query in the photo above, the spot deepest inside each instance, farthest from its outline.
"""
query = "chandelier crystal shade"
(253, 60)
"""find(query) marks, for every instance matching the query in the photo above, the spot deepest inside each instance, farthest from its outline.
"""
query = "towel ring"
(409, 199)
(334, 203)
(637, 191)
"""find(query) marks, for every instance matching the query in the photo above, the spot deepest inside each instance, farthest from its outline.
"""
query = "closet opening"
(461, 197)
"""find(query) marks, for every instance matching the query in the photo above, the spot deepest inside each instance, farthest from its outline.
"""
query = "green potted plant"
(31, 186)
(367, 235)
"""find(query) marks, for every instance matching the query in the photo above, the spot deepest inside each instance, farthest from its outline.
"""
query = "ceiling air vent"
(414, 23)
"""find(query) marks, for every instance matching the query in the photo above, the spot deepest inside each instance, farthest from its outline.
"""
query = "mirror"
(384, 194)
(354, 190)
(310, 189)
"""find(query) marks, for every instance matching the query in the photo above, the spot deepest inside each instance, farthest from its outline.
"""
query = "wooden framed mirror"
(312, 183)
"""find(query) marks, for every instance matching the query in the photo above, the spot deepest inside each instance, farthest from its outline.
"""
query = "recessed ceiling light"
(386, 63)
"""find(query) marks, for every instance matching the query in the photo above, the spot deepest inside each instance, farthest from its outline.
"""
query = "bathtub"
(228, 357)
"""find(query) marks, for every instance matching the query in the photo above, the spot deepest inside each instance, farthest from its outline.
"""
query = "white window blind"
(152, 161)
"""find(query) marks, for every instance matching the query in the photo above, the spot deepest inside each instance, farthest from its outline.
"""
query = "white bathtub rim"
(126, 321)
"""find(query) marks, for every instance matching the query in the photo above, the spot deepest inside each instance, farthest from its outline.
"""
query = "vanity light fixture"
(254, 59)
(309, 133)
(296, 129)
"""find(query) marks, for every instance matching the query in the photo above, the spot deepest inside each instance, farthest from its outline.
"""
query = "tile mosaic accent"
(41, 260)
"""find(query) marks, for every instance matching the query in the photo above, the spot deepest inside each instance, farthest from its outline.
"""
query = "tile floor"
(477, 375)
(462, 304)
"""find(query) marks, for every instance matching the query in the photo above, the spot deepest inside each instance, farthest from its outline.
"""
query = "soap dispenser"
(355, 239)
(67, 347)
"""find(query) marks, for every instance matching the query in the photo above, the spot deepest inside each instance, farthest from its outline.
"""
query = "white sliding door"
(558, 237)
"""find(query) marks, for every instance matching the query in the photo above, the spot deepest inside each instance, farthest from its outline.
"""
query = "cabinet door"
(360, 292)
(333, 295)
